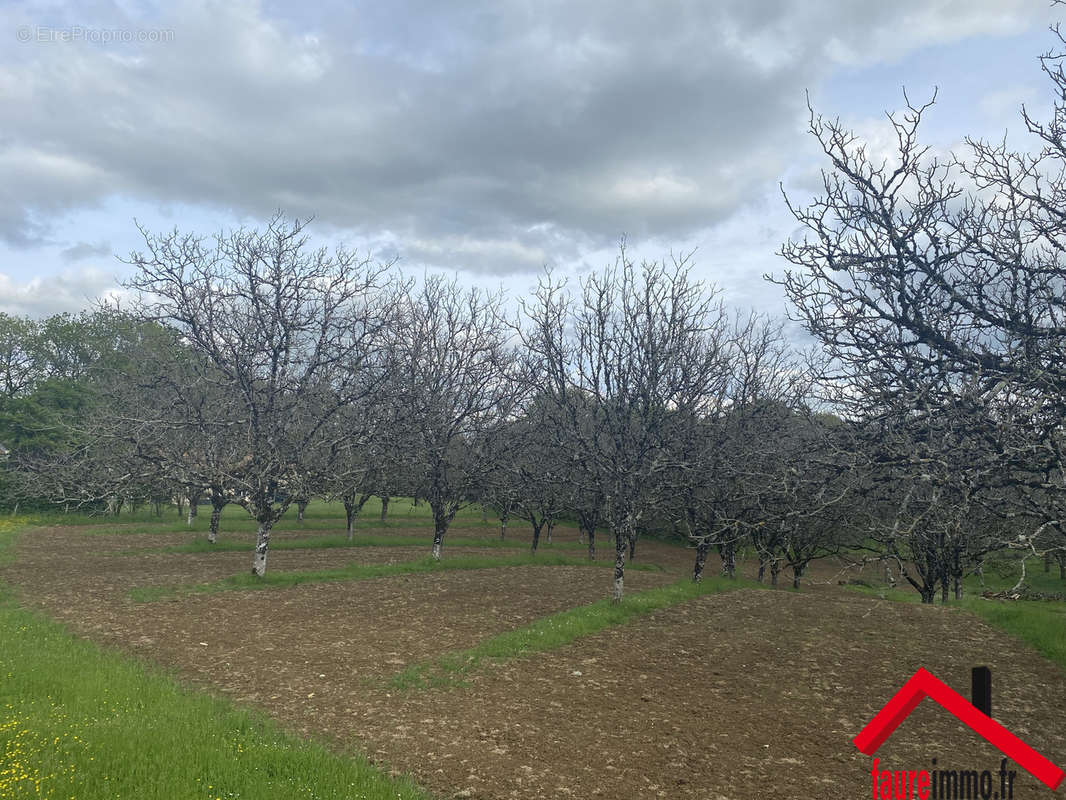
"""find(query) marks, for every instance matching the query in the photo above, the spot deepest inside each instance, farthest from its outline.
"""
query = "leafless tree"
(457, 381)
(637, 346)
(284, 337)
(938, 287)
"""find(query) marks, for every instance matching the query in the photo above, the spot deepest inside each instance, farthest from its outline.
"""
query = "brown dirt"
(740, 695)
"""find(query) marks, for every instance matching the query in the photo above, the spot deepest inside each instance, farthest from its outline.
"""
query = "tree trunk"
(621, 543)
(537, 527)
(262, 542)
(194, 502)
(217, 504)
(349, 514)
(1047, 561)
(503, 526)
(632, 545)
(701, 560)
(928, 594)
(301, 506)
(384, 506)
(352, 509)
(797, 575)
(484, 514)
(586, 523)
(775, 570)
(551, 527)
(729, 559)
(441, 519)
(762, 567)
(180, 499)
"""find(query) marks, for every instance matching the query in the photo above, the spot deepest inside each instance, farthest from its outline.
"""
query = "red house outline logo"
(924, 684)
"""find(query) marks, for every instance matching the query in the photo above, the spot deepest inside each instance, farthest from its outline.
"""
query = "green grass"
(1002, 573)
(341, 542)
(555, 631)
(1041, 624)
(78, 721)
(362, 572)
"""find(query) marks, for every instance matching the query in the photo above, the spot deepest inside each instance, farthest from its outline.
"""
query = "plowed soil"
(745, 694)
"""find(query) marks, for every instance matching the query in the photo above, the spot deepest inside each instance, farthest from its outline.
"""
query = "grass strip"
(359, 540)
(555, 631)
(362, 572)
(78, 721)
(1039, 623)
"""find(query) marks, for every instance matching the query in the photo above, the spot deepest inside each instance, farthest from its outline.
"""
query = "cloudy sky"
(483, 139)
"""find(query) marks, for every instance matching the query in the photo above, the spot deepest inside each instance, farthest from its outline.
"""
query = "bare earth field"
(746, 694)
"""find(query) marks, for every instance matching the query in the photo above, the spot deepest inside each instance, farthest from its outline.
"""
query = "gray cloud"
(83, 250)
(492, 136)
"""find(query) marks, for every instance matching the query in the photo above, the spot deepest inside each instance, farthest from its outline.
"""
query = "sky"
(485, 140)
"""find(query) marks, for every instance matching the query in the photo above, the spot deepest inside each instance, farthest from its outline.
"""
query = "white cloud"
(72, 290)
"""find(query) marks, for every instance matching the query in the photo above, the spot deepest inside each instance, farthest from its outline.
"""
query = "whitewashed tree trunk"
(349, 514)
(262, 542)
(194, 502)
(352, 509)
(441, 519)
(217, 504)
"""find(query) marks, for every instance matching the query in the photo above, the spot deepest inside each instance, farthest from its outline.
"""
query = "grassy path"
(363, 572)
(557, 630)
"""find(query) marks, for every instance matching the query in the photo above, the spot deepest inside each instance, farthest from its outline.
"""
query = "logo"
(924, 684)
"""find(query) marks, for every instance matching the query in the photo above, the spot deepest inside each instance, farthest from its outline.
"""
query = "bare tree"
(938, 288)
(639, 345)
(457, 382)
(284, 336)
